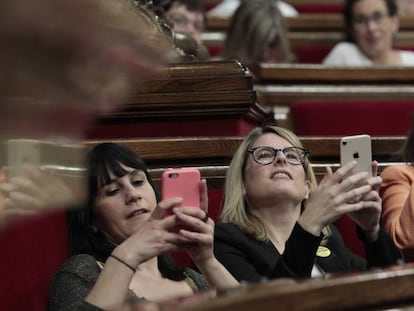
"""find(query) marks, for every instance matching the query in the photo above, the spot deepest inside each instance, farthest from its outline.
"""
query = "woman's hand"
(368, 217)
(154, 237)
(198, 228)
(200, 240)
(335, 195)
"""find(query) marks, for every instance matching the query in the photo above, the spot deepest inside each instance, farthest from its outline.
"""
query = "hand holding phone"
(358, 148)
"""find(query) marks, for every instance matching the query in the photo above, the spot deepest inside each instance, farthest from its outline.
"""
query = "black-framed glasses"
(265, 155)
(363, 20)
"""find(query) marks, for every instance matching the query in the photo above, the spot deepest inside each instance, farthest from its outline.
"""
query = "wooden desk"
(212, 155)
(373, 290)
(186, 99)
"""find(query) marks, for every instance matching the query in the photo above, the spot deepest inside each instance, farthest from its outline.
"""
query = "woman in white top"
(370, 29)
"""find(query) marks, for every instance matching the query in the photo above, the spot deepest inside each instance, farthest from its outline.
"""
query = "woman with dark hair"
(370, 27)
(397, 192)
(118, 241)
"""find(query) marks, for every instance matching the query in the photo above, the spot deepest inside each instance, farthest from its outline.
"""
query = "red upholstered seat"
(31, 251)
(325, 118)
(312, 54)
(319, 8)
(347, 228)
(169, 128)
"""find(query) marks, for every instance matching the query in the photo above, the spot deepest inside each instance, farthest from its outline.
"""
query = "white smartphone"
(358, 148)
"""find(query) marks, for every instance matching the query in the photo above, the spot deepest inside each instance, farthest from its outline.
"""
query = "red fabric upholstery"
(31, 251)
(215, 50)
(347, 228)
(319, 8)
(312, 54)
(163, 128)
(327, 118)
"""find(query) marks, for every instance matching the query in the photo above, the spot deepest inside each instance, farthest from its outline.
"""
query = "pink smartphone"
(184, 183)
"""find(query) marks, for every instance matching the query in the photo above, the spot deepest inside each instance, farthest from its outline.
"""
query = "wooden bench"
(213, 154)
(186, 99)
(378, 100)
(381, 289)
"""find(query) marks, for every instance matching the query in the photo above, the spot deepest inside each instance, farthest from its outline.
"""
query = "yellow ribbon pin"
(323, 252)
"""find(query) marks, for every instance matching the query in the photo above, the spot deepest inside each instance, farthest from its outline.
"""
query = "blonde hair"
(236, 209)
(255, 24)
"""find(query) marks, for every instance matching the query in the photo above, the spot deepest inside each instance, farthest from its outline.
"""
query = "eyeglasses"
(265, 155)
(362, 20)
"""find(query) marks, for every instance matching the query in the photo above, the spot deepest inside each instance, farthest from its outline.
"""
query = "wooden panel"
(307, 74)
(212, 155)
(374, 290)
(192, 89)
(206, 150)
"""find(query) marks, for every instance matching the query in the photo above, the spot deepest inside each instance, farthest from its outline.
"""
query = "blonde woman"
(276, 221)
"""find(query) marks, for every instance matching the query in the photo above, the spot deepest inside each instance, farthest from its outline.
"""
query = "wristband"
(123, 262)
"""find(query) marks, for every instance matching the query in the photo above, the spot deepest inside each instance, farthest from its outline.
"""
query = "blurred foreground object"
(67, 61)
(41, 175)
(64, 62)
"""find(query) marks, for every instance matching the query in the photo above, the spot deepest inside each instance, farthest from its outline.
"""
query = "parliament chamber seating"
(329, 100)
(352, 118)
(380, 289)
(32, 250)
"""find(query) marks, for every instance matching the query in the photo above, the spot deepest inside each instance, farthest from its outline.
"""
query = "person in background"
(397, 192)
(226, 8)
(370, 28)
(118, 242)
(186, 16)
(257, 33)
(277, 222)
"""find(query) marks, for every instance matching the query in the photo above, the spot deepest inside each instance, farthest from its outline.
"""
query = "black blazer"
(251, 260)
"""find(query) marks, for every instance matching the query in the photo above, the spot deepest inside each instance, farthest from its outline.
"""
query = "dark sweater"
(251, 260)
(74, 280)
